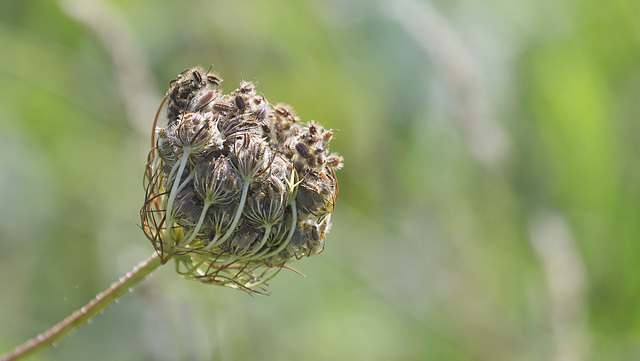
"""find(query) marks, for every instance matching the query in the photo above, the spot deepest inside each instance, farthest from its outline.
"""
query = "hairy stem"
(80, 316)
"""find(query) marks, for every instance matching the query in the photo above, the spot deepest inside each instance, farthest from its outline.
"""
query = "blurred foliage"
(434, 254)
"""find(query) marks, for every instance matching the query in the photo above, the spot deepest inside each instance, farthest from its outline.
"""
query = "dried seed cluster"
(236, 187)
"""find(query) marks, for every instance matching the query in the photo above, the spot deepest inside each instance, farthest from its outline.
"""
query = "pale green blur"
(489, 206)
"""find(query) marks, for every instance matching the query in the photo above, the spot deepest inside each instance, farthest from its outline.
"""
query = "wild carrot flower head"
(236, 187)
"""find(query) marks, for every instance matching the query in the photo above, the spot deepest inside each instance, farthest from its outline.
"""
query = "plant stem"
(94, 306)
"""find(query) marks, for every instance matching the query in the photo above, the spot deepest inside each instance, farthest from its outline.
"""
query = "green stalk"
(102, 300)
(267, 232)
(195, 231)
(236, 218)
(294, 221)
(174, 192)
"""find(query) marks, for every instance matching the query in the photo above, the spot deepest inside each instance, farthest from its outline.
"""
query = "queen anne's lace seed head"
(236, 187)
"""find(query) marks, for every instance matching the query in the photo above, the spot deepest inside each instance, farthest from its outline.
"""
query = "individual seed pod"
(259, 99)
(334, 161)
(327, 136)
(246, 87)
(314, 246)
(285, 111)
(232, 128)
(239, 101)
(302, 150)
(213, 78)
(222, 107)
(315, 233)
(313, 129)
(274, 187)
(202, 100)
(197, 77)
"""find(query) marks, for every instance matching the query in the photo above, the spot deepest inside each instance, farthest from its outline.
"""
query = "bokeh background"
(489, 207)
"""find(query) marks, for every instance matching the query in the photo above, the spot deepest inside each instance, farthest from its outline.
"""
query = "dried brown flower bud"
(236, 187)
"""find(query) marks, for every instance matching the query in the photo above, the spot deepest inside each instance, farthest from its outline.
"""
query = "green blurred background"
(489, 206)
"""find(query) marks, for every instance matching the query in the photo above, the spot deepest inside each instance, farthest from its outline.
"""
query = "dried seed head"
(239, 187)
(251, 158)
(195, 132)
(263, 211)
